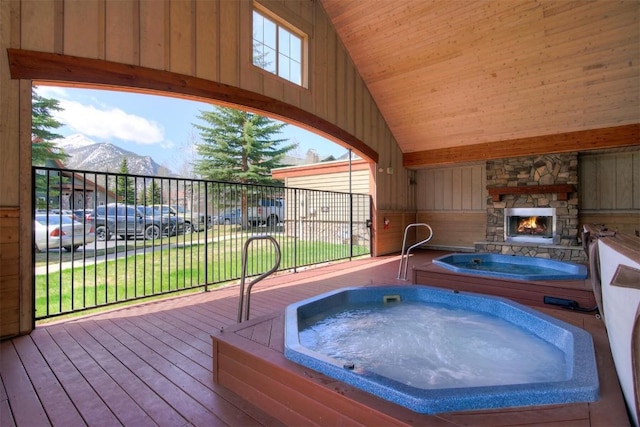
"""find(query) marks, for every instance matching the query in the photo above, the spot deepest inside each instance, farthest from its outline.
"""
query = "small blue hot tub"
(575, 381)
(512, 266)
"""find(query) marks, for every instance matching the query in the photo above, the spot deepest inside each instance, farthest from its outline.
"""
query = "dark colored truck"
(130, 221)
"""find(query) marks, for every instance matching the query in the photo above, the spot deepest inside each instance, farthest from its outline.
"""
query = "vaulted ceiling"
(457, 73)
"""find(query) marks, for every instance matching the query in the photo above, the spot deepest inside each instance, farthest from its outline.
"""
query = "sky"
(150, 125)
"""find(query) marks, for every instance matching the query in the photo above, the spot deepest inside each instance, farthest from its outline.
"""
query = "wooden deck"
(151, 364)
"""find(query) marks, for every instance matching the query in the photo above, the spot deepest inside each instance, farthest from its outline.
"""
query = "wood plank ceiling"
(456, 73)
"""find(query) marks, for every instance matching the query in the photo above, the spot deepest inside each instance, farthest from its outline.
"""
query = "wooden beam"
(562, 190)
(75, 71)
(594, 139)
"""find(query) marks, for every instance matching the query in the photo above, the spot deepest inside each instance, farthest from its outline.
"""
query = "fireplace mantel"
(562, 190)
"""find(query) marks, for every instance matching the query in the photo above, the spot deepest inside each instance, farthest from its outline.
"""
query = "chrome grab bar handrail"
(402, 275)
(243, 277)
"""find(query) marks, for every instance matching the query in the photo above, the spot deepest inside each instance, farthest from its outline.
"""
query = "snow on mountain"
(74, 141)
(86, 154)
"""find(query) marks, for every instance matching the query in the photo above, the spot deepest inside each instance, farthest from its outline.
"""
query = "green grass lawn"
(179, 267)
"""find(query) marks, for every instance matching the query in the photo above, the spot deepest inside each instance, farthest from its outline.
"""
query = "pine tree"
(154, 195)
(125, 190)
(42, 122)
(43, 149)
(239, 146)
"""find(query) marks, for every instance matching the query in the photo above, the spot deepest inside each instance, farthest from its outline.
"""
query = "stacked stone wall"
(534, 171)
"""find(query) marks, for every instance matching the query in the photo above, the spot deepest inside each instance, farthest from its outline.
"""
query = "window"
(277, 49)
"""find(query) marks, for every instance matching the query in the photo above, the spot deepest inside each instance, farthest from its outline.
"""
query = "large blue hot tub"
(575, 380)
(512, 266)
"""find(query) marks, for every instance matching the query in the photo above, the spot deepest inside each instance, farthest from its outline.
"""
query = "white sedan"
(56, 231)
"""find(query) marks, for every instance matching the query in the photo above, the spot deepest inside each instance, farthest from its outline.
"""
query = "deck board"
(110, 404)
(150, 364)
(19, 388)
(157, 409)
(186, 395)
(58, 406)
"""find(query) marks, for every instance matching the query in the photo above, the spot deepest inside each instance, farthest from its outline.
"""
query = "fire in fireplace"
(530, 225)
(533, 225)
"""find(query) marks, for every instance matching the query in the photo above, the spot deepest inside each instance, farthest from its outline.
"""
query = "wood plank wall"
(9, 192)
(9, 272)
(452, 200)
(610, 190)
(205, 39)
(389, 226)
(338, 181)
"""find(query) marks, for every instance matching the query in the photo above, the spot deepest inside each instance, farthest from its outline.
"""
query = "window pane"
(269, 59)
(295, 48)
(295, 72)
(285, 37)
(258, 55)
(283, 70)
(258, 26)
(270, 33)
(258, 40)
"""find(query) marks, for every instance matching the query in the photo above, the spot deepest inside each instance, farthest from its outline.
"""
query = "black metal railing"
(138, 236)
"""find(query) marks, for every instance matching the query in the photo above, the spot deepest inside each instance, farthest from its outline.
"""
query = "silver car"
(56, 231)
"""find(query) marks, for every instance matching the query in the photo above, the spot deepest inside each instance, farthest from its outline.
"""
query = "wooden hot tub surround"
(530, 293)
(248, 359)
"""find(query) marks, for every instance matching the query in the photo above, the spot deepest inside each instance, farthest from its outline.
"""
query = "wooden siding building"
(329, 176)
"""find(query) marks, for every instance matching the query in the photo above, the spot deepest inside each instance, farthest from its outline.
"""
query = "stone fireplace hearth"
(543, 182)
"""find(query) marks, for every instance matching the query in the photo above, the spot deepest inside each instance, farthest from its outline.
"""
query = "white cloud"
(106, 123)
(55, 92)
(95, 119)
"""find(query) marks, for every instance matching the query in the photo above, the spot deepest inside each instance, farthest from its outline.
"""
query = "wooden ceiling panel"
(457, 73)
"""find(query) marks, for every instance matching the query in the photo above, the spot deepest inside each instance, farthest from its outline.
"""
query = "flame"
(528, 224)
(531, 226)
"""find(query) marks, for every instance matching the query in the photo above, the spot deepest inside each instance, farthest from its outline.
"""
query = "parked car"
(268, 211)
(192, 220)
(130, 221)
(168, 224)
(228, 217)
(57, 231)
(87, 214)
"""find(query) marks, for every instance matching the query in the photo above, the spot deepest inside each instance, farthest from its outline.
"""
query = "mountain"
(74, 141)
(87, 154)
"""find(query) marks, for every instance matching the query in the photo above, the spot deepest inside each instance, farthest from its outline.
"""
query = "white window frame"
(281, 24)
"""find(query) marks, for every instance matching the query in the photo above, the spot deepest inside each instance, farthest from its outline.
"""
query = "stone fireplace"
(543, 189)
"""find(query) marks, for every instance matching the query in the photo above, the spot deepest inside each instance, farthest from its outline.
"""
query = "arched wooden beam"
(76, 71)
